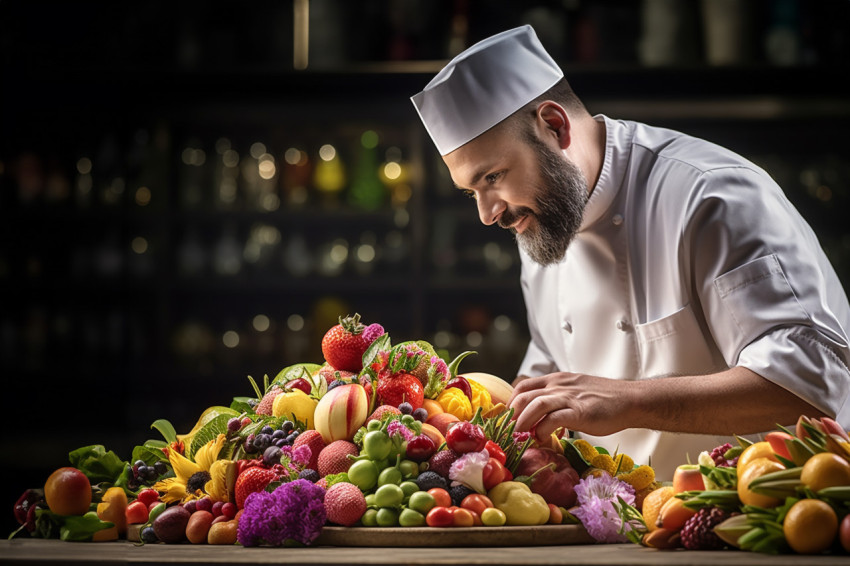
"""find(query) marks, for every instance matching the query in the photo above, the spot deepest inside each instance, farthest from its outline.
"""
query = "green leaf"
(166, 429)
(151, 454)
(574, 456)
(380, 344)
(207, 433)
(98, 464)
(242, 404)
(82, 527)
(456, 362)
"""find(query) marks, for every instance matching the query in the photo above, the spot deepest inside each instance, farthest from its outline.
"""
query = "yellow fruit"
(825, 470)
(652, 505)
(295, 403)
(499, 389)
(67, 491)
(673, 514)
(755, 469)
(753, 451)
(113, 507)
(810, 527)
(480, 396)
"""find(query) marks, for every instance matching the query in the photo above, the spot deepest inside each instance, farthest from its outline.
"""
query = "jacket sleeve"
(771, 298)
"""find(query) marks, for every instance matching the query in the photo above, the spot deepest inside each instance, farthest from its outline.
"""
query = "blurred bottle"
(191, 175)
(367, 192)
(297, 258)
(726, 31)
(782, 41)
(366, 253)
(669, 31)
(227, 255)
(225, 176)
(329, 176)
(191, 255)
(83, 183)
(295, 177)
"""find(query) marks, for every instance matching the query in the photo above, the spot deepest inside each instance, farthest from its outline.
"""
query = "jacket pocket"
(758, 298)
(674, 345)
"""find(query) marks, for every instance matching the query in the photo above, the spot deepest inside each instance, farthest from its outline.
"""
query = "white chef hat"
(484, 85)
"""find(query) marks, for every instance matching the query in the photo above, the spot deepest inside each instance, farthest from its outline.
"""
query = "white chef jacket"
(689, 260)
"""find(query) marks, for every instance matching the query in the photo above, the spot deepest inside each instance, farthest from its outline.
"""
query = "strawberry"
(330, 373)
(394, 389)
(344, 344)
(379, 412)
(252, 480)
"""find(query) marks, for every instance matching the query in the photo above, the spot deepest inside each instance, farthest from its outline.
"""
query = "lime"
(390, 476)
(421, 501)
(370, 518)
(363, 474)
(389, 495)
(411, 518)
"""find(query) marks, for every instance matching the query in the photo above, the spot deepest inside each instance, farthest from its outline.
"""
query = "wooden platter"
(408, 537)
(541, 535)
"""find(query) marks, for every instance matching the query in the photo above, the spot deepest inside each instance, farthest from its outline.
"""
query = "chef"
(675, 297)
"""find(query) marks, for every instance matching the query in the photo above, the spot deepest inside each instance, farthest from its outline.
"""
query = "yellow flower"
(185, 484)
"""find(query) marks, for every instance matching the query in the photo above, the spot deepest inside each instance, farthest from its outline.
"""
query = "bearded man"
(675, 297)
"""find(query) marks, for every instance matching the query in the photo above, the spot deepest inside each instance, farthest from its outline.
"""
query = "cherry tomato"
(148, 496)
(464, 436)
(136, 513)
(462, 518)
(556, 517)
(476, 502)
(441, 497)
(476, 518)
(493, 474)
(493, 517)
(439, 517)
(495, 451)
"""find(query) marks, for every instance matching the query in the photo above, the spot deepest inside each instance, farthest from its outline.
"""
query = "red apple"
(687, 477)
(556, 485)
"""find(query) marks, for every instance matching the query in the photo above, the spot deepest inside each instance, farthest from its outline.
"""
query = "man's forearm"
(735, 401)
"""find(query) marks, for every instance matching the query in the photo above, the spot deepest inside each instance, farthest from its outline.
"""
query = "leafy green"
(166, 429)
(208, 432)
(242, 404)
(98, 464)
(68, 527)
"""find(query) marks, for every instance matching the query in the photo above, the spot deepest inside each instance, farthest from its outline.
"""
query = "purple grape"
(234, 424)
(405, 408)
(287, 426)
(420, 415)
(272, 456)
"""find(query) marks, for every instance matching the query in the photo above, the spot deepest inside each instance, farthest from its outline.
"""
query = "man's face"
(524, 186)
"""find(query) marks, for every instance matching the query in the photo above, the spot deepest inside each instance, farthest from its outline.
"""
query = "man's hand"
(720, 403)
(594, 405)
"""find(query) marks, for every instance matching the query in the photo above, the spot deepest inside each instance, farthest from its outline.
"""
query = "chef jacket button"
(617, 219)
(567, 326)
(622, 325)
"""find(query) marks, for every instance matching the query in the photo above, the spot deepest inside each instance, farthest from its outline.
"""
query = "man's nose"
(490, 208)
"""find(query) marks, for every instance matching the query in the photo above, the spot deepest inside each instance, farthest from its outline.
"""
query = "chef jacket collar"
(618, 140)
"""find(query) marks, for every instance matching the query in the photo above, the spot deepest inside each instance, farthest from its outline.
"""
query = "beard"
(560, 197)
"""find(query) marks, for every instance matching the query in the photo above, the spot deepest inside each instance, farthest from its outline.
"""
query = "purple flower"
(295, 511)
(301, 455)
(372, 332)
(596, 509)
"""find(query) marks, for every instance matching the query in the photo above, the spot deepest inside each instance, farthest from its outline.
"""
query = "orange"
(810, 527)
(825, 470)
(653, 503)
(755, 469)
(674, 514)
(67, 491)
(753, 451)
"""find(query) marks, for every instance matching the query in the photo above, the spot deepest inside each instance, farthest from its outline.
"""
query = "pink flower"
(398, 428)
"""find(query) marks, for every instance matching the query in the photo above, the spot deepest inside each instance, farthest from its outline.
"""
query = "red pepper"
(493, 474)
(495, 451)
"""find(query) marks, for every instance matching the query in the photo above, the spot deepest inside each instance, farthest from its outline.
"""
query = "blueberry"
(335, 383)
(160, 467)
(148, 535)
(266, 430)
(278, 434)
(287, 426)
(429, 480)
(309, 475)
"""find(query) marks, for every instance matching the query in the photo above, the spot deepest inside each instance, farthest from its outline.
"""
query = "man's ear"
(552, 117)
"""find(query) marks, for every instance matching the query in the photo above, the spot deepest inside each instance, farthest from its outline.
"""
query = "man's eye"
(492, 177)
(469, 193)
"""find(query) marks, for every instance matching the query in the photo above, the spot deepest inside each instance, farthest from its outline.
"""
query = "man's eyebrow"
(475, 178)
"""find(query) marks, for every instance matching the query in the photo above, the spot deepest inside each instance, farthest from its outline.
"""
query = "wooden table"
(33, 552)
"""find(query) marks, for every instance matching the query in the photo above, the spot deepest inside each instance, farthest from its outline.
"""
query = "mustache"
(509, 217)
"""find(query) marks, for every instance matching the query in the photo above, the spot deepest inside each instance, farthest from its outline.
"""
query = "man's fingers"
(527, 384)
(553, 421)
(535, 409)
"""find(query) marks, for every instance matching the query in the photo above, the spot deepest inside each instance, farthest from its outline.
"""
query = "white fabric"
(484, 85)
(689, 260)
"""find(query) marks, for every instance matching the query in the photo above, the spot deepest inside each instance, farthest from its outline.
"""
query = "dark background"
(146, 269)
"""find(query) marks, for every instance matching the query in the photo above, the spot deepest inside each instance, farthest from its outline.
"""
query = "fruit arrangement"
(788, 493)
(377, 435)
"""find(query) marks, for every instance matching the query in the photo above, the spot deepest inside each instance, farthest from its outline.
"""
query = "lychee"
(333, 459)
(264, 407)
(314, 441)
(382, 410)
(344, 503)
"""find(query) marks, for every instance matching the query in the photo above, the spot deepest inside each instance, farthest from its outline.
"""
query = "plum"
(557, 483)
